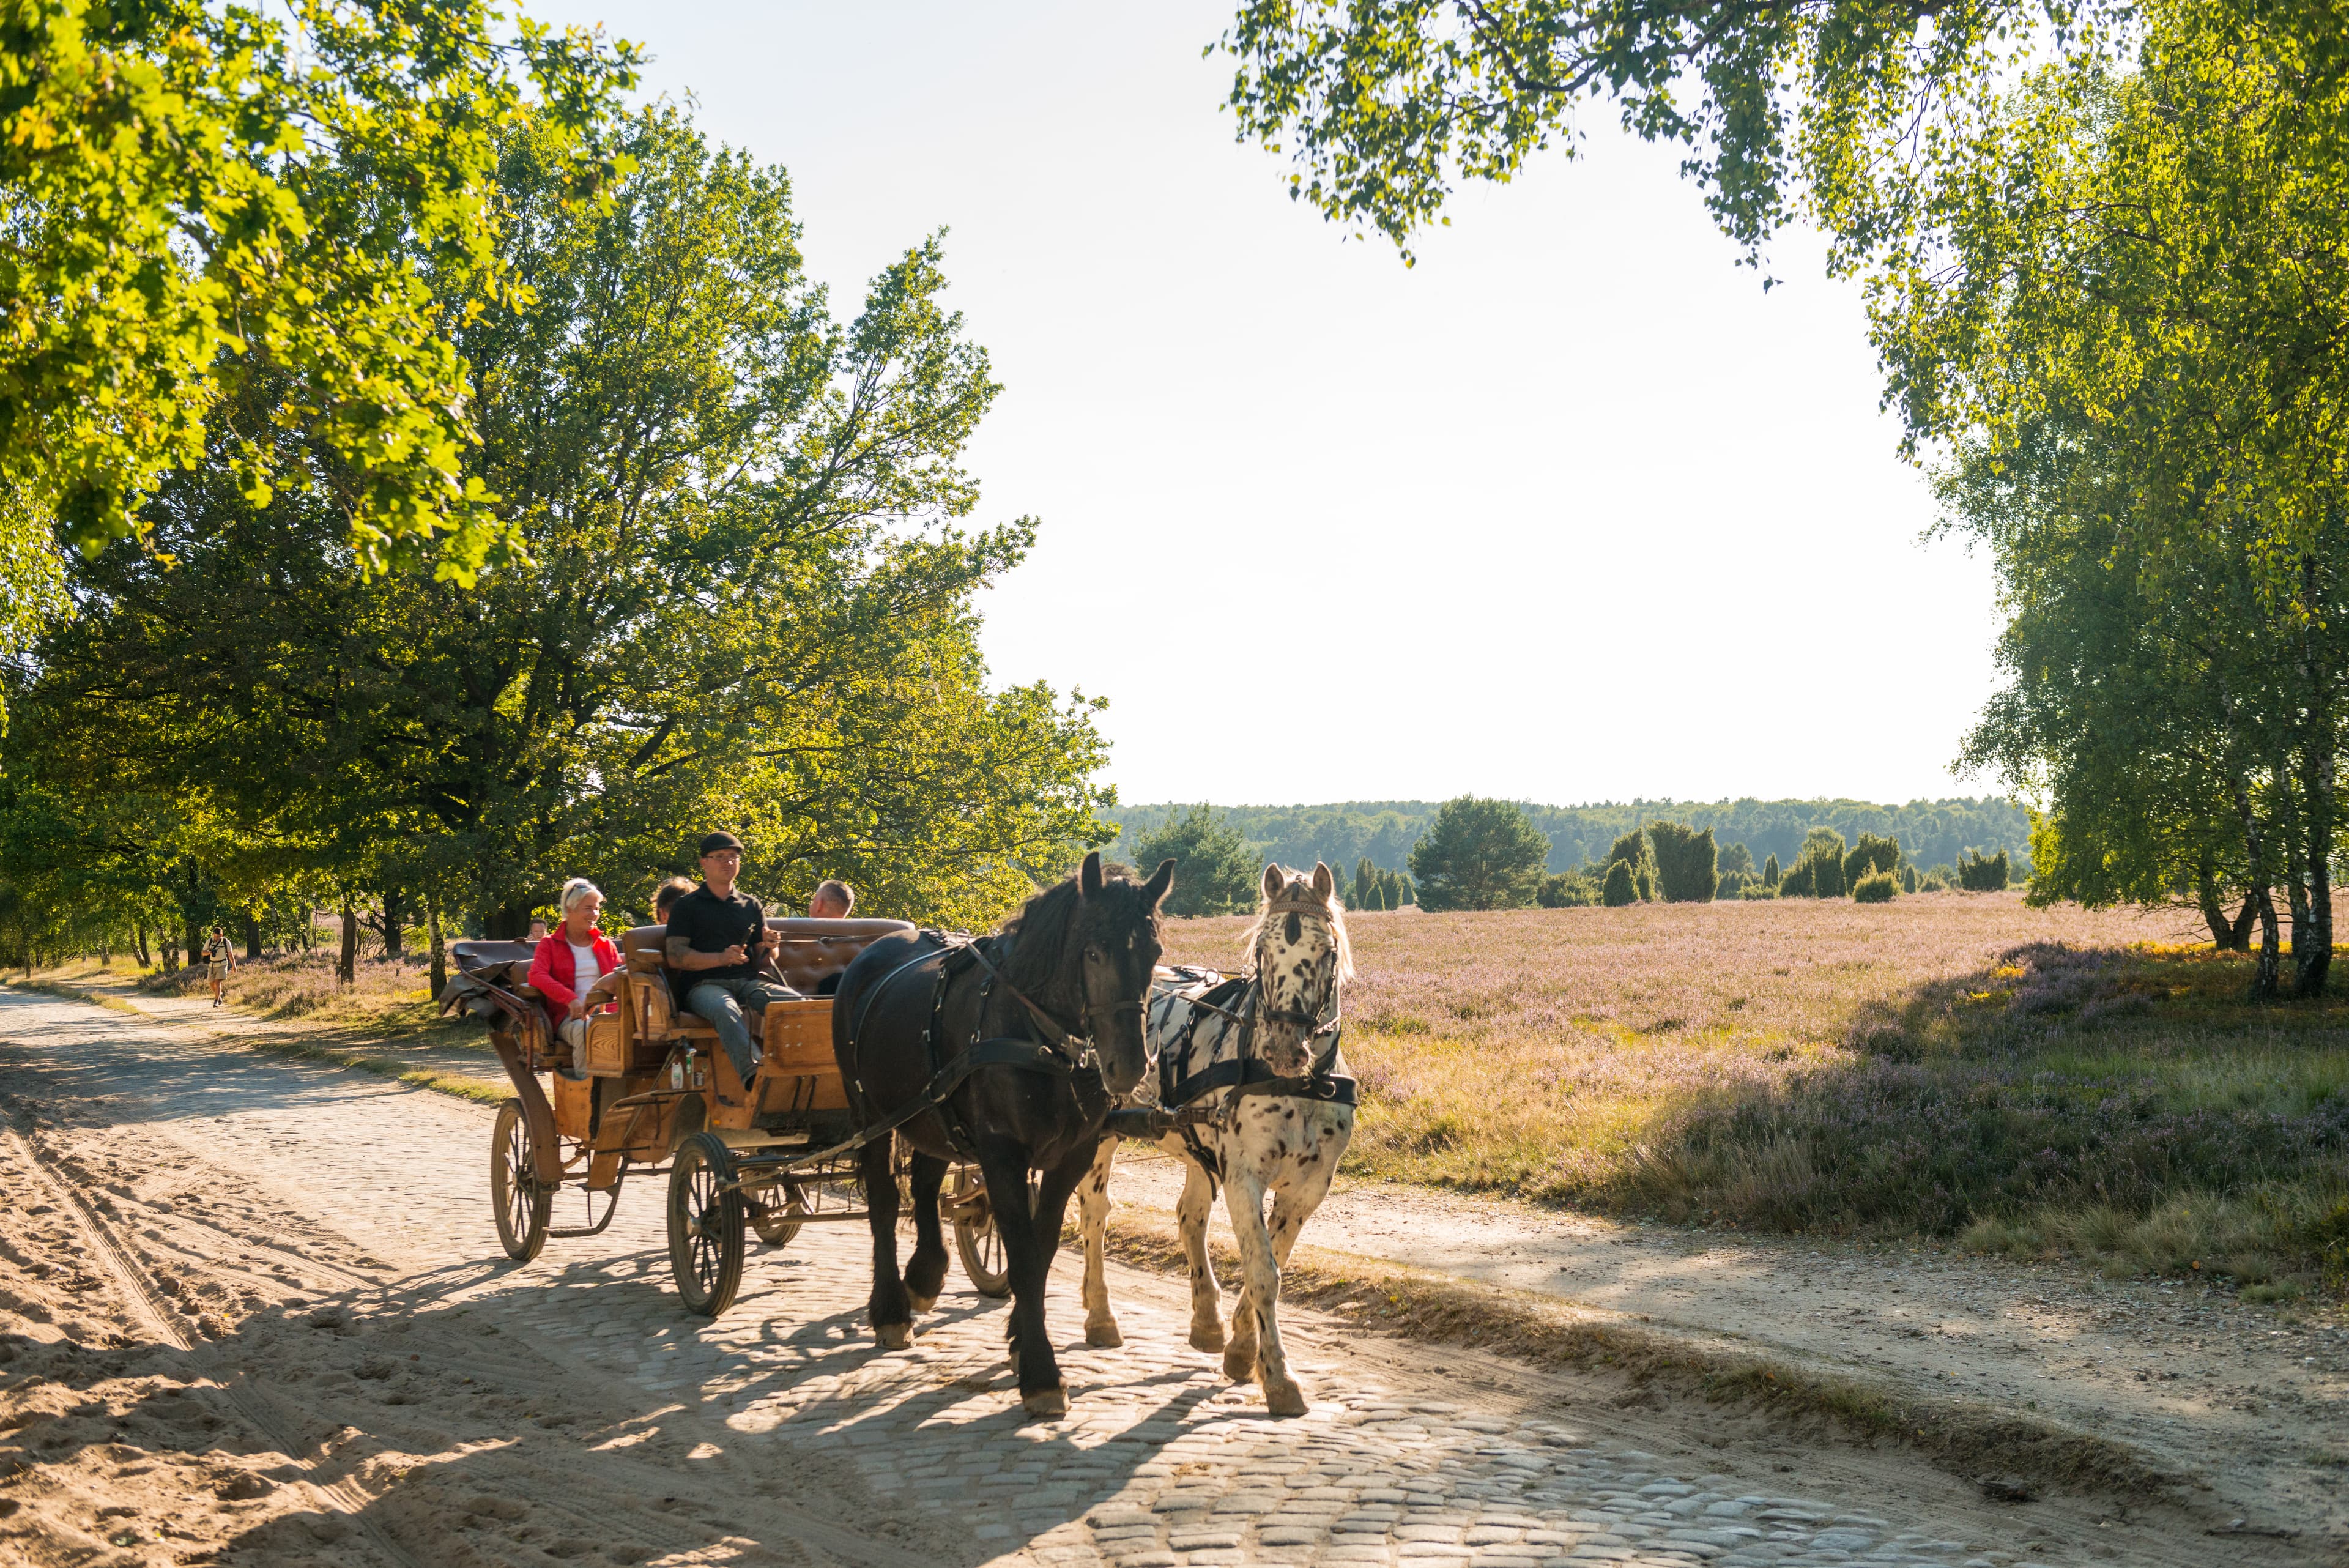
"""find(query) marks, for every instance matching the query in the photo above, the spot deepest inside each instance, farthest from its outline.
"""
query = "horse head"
(1298, 954)
(1086, 950)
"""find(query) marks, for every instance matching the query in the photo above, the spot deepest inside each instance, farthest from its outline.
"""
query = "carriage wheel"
(705, 1225)
(774, 1222)
(979, 1243)
(521, 1204)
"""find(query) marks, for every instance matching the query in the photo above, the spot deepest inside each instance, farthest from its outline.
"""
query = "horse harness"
(1058, 1054)
(1238, 1001)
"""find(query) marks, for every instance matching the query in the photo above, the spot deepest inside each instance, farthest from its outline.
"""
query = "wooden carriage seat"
(809, 950)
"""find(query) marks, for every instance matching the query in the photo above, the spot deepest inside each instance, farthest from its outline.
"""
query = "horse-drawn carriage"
(1013, 1062)
(657, 1096)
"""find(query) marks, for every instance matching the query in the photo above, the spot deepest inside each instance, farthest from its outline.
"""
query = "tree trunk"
(346, 962)
(252, 935)
(510, 924)
(439, 951)
(138, 929)
(2240, 938)
(2312, 962)
(395, 915)
(2214, 914)
(2265, 978)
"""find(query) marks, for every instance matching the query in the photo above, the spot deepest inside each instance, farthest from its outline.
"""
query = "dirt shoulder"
(2252, 1402)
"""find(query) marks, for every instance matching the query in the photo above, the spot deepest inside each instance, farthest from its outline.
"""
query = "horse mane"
(1334, 912)
(1041, 927)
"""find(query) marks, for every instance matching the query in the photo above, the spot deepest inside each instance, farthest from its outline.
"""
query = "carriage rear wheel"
(705, 1224)
(776, 1217)
(521, 1205)
(979, 1243)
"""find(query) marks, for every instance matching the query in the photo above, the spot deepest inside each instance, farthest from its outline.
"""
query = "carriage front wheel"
(705, 1224)
(977, 1241)
(521, 1205)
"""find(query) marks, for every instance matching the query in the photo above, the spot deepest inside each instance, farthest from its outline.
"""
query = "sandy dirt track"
(2249, 1401)
(252, 1311)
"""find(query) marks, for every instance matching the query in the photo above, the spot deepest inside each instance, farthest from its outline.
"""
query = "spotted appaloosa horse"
(1288, 1145)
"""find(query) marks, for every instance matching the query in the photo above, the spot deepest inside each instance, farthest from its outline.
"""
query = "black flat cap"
(711, 843)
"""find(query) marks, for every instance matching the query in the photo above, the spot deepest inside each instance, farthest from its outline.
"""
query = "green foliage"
(1876, 887)
(1385, 108)
(1770, 872)
(1979, 874)
(1619, 889)
(746, 600)
(1216, 872)
(1870, 854)
(1758, 889)
(1907, 878)
(1736, 857)
(1377, 887)
(1478, 854)
(1686, 863)
(1632, 850)
(195, 191)
(1571, 890)
(1801, 881)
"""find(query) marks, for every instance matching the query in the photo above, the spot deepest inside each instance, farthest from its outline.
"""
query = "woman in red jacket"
(571, 963)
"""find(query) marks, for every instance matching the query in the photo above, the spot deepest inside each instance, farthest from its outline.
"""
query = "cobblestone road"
(1160, 1461)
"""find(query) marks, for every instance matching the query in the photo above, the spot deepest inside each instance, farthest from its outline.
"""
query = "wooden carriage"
(657, 1095)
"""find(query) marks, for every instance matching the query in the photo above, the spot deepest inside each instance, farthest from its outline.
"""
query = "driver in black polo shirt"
(715, 939)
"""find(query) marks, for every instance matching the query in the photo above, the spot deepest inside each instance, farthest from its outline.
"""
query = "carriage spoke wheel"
(705, 1225)
(521, 1206)
(775, 1217)
(978, 1243)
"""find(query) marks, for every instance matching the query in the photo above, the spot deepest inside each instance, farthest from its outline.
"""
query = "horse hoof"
(1284, 1399)
(894, 1335)
(1207, 1336)
(1239, 1363)
(1047, 1403)
(924, 1303)
(1104, 1335)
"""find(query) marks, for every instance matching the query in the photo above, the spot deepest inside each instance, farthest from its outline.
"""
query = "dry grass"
(2037, 1080)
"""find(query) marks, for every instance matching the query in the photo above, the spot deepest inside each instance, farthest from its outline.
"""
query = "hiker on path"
(220, 957)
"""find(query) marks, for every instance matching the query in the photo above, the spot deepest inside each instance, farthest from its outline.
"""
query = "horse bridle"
(1318, 1069)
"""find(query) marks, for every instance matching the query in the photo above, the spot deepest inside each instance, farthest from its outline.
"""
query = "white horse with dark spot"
(1252, 1062)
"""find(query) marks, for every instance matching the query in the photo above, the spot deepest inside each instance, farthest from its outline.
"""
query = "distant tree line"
(1479, 854)
(1931, 832)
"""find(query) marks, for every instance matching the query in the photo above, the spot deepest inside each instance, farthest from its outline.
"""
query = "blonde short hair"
(575, 890)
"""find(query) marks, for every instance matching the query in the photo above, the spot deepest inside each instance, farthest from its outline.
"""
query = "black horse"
(1067, 981)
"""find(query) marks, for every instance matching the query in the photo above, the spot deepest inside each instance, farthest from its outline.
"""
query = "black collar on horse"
(1009, 1053)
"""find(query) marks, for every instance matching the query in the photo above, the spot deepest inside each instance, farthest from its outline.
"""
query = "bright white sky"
(1575, 510)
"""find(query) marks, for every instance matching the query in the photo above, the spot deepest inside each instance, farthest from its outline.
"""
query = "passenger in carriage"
(715, 941)
(673, 889)
(571, 973)
(833, 898)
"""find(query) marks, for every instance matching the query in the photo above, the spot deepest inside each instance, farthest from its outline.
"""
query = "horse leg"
(926, 1270)
(1292, 1204)
(891, 1311)
(1243, 1204)
(1029, 1239)
(1092, 1210)
(1258, 1325)
(1191, 1212)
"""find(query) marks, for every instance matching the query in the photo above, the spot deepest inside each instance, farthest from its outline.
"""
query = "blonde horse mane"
(1296, 893)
